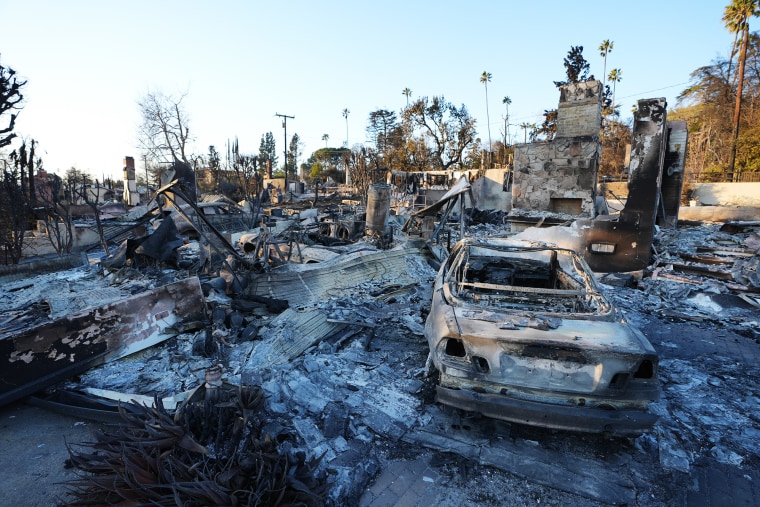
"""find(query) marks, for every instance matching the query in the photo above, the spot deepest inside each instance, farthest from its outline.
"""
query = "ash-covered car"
(520, 331)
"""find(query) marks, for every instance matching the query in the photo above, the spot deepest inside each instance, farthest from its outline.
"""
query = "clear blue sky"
(89, 62)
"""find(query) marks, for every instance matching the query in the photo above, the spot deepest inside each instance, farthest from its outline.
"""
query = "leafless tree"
(249, 181)
(164, 132)
(362, 165)
(56, 213)
(82, 192)
(447, 130)
(10, 99)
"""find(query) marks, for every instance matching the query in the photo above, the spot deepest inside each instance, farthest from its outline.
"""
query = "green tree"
(576, 67)
(506, 101)
(332, 163)
(577, 71)
(268, 151)
(736, 17)
(293, 151)
(316, 170)
(345, 114)
(446, 131)
(485, 78)
(380, 128)
(616, 75)
(605, 48)
(707, 105)
(325, 138)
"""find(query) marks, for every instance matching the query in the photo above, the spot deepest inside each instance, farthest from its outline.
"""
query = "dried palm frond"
(210, 452)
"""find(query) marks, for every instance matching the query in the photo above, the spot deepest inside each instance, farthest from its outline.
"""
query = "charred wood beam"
(706, 260)
(40, 356)
(699, 270)
(727, 251)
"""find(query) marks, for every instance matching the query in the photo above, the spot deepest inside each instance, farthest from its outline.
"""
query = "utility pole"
(285, 127)
(147, 181)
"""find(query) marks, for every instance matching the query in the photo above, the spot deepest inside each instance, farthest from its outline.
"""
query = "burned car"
(520, 331)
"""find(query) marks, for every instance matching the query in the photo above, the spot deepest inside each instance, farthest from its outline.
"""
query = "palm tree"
(485, 78)
(605, 48)
(325, 137)
(345, 115)
(616, 75)
(506, 101)
(408, 93)
(525, 126)
(736, 17)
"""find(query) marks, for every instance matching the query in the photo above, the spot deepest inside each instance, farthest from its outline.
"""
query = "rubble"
(39, 356)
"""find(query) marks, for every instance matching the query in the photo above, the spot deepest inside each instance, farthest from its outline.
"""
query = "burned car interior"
(529, 279)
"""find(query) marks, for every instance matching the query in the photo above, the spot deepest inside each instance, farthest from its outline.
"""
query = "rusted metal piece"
(444, 205)
(39, 357)
(521, 332)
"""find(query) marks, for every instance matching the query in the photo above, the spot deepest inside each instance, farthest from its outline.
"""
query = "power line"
(655, 90)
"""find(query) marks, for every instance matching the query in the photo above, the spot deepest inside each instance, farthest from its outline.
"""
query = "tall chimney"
(131, 197)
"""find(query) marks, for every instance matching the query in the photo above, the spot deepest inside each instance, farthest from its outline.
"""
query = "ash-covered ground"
(362, 397)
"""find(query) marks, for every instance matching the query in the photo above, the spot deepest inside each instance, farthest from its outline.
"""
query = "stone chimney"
(131, 197)
(559, 176)
(580, 109)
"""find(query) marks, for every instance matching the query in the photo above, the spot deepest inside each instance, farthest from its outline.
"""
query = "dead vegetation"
(213, 451)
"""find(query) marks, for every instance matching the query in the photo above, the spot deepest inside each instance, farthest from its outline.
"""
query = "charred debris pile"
(308, 318)
(307, 325)
(208, 453)
(330, 342)
(710, 269)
